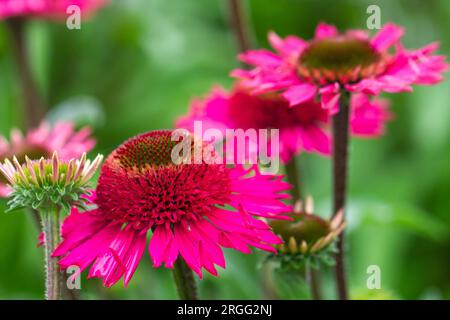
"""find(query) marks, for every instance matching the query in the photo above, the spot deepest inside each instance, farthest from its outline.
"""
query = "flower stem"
(34, 107)
(239, 23)
(268, 282)
(51, 228)
(293, 177)
(340, 166)
(315, 284)
(184, 280)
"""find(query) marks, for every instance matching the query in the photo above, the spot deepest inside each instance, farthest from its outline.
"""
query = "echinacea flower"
(303, 128)
(42, 142)
(307, 236)
(333, 61)
(46, 8)
(300, 128)
(192, 210)
(49, 182)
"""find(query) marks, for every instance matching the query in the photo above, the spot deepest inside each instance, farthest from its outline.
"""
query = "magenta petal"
(188, 247)
(290, 47)
(261, 58)
(122, 258)
(316, 139)
(158, 245)
(387, 36)
(324, 30)
(134, 255)
(358, 34)
(290, 143)
(330, 98)
(367, 86)
(162, 247)
(83, 254)
(41, 239)
(228, 241)
(368, 118)
(208, 240)
(73, 235)
(209, 252)
(110, 265)
(240, 229)
(299, 93)
(259, 194)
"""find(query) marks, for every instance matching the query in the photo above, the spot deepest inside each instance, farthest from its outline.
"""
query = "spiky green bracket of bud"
(49, 182)
(308, 238)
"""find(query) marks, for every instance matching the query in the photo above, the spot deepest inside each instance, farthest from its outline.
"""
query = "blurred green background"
(135, 66)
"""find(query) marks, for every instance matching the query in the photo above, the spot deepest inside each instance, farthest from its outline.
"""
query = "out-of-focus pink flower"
(300, 128)
(332, 61)
(305, 127)
(42, 142)
(47, 8)
(368, 118)
(187, 207)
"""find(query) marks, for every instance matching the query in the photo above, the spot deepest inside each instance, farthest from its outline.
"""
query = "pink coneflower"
(46, 8)
(301, 128)
(42, 142)
(333, 61)
(192, 210)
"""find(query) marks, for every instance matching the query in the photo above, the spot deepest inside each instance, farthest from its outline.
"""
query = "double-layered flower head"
(192, 210)
(49, 182)
(46, 8)
(307, 237)
(333, 61)
(42, 142)
(301, 128)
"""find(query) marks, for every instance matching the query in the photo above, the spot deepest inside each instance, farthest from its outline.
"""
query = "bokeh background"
(135, 66)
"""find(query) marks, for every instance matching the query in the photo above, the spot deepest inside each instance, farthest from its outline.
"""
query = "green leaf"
(402, 215)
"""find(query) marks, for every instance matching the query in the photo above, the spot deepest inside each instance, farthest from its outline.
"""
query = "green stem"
(184, 280)
(34, 106)
(51, 228)
(340, 168)
(293, 177)
(268, 283)
(314, 282)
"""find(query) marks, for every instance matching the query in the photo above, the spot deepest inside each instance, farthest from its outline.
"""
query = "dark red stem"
(340, 166)
(238, 21)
